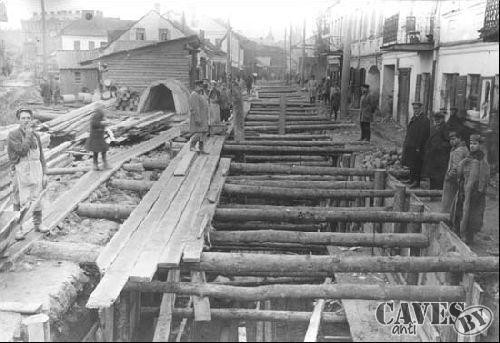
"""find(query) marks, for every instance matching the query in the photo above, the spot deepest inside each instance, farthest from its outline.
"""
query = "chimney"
(157, 7)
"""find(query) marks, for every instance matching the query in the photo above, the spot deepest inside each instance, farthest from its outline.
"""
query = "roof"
(70, 59)
(97, 26)
(211, 50)
(190, 39)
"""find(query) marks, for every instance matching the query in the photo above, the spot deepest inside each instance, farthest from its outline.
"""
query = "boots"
(37, 222)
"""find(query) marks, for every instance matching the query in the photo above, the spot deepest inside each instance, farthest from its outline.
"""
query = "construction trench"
(280, 237)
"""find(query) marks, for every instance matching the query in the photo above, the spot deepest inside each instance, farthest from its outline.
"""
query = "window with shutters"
(78, 77)
(460, 92)
(473, 91)
(103, 44)
(140, 33)
(91, 45)
(76, 45)
(163, 34)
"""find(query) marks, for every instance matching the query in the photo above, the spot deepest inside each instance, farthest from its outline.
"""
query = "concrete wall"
(68, 42)
(152, 23)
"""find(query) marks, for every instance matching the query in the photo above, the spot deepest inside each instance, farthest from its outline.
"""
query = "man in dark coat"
(417, 133)
(437, 152)
(456, 123)
(367, 112)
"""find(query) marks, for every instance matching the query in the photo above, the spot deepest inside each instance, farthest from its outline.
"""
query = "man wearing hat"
(437, 152)
(459, 151)
(473, 177)
(198, 120)
(417, 133)
(28, 167)
(368, 106)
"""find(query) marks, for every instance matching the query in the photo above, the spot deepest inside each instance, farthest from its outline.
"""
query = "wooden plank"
(201, 305)
(183, 323)
(147, 262)
(194, 247)
(192, 219)
(37, 328)
(23, 308)
(185, 163)
(163, 325)
(314, 324)
(120, 239)
(268, 326)
(242, 334)
(81, 190)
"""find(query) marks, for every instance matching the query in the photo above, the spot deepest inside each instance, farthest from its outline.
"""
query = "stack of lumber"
(169, 218)
(74, 122)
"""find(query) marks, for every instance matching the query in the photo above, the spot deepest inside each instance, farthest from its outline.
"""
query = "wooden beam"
(321, 238)
(344, 291)
(65, 171)
(76, 252)
(132, 185)
(37, 328)
(307, 143)
(270, 168)
(219, 226)
(282, 115)
(315, 321)
(104, 211)
(201, 305)
(327, 215)
(302, 184)
(163, 325)
(284, 149)
(185, 163)
(20, 307)
(227, 263)
(300, 127)
(264, 136)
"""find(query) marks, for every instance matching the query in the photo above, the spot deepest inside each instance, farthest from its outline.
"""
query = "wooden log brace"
(283, 149)
(321, 238)
(290, 123)
(281, 177)
(284, 158)
(300, 127)
(293, 137)
(262, 315)
(104, 211)
(274, 118)
(330, 291)
(297, 143)
(241, 262)
(132, 185)
(270, 168)
(326, 215)
(265, 226)
(302, 184)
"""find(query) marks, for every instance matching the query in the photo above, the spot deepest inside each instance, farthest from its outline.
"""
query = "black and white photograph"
(249, 171)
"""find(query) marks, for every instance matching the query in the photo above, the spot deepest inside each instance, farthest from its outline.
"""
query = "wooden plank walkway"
(170, 219)
(81, 190)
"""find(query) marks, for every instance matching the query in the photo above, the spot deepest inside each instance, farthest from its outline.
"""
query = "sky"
(253, 18)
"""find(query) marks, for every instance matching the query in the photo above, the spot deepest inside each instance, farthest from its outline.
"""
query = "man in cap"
(459, 151)
(417, 133)
(28, 168)
(368, 106)
(198, 120)
(437, 152)
(473, 177)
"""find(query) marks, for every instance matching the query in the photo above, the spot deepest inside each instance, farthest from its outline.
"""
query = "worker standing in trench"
(28, 168)
(198, 120)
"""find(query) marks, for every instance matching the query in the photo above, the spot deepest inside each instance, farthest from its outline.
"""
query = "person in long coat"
(312, 87)
(437, 152)
(470, 202)
(27, 167)
(368, 107)
(96, 142)
(459, 151)
(198, 119)
(214, 103)
(417, 133)
(225, 103)
(335, 100)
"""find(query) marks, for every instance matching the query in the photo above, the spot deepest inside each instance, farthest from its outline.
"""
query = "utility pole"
(303, 67)
(284, 65)
(346, 62)
(290, 41)
(44, 39)
(228, 62)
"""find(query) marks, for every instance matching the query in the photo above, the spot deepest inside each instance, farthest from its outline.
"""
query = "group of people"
(454, 160)
(326, 91)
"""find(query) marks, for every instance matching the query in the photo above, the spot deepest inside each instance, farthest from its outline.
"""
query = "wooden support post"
(201, 305)
(134, 312)
(379, 183)
(268, 326)
(238, 114)
(242, 334)
(182, 326)
(37, 328)
(315, 322)
(259, 326)
(345, 163)
(412, 228)
(282, 115)
(399, 204)
(122, 318)
(163, 325)
(106, 320)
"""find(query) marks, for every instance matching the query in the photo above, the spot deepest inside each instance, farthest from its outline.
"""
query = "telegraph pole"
(346, 63)
(44, 39)
(303, 67)
(228, 62)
